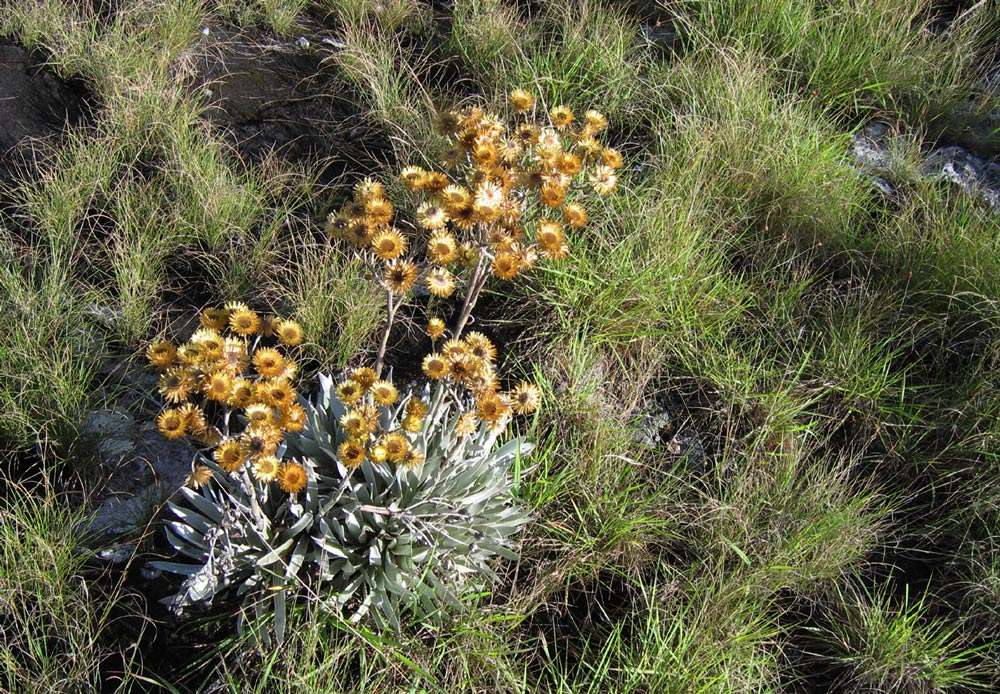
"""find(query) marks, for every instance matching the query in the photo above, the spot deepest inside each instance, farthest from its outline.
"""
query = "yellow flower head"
(269, 362)
(279, 392)
(525, 397)
(435, 181)
(435, 366)
(488, 203)
(552, 193)
(400, 276)
(412, 459)
(367, 189)
(218, 386)
(464, 217)
(176, 385)
(435, 328)
(351, 453)
(492, 408)
(527, 134)
(260, 440)
(552, 240)
(412, 424)
(389, 244)
(188, 354)
(214, 318)
(466, 424)
(241, 393)
(589, 147)
(365, 376)
(416, 407)
(561, 116)
(481, 346)
(596, 122)
(442, 248)
(378, 454)
(243, 321)
(396, 446)
(289, 332)
(506, 265)
(453, 349)
(234, 357)
(356, 424)
(574, 215)
(440, 282)
(199, 477)
(292, 478)
(259, 413)
(612, 158)
(194, 418)
(466, 368)
(413, 177)
(209, 343)
(161, 354)
(384, 392)
(267, 324)
(603, 180)
(266, 468)
(230, 455)
(521, 100)
(454, 197)
(484, 153)
(357, 233)
(484, 381)
(293, 418)
(568, 164)
(349, 392)
(172, 424)
(431, 216)
(378, 211)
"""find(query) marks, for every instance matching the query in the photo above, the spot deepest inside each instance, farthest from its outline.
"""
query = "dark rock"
(662, 36)
(269, 97)
(688, 445)
(34, 104)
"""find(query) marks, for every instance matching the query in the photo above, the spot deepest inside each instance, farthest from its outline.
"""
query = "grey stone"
(143, 468)
(870, 147)
(973, 174)
(118, 554)
(689, 445)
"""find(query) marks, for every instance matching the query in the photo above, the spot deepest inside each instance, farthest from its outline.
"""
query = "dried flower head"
(292, 478)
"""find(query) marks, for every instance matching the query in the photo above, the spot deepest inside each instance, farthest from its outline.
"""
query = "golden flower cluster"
(365, 393)
(470, 363)
(507, 197)
(226, 369)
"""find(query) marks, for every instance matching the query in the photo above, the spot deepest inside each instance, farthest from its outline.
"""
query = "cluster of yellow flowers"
(469, 363)
(209, 375)
(505, 200)
(363, 393)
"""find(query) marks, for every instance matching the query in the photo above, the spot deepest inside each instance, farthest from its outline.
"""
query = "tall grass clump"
(49, 357)
(54, 619)
(881, 644)
(333, 298)
(580, 53)
(860, 57)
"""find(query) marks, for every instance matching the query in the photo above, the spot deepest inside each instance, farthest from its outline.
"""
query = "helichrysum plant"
(371, 500)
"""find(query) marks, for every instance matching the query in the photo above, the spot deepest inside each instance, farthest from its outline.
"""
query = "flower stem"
(475, 287)
(390, 317)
